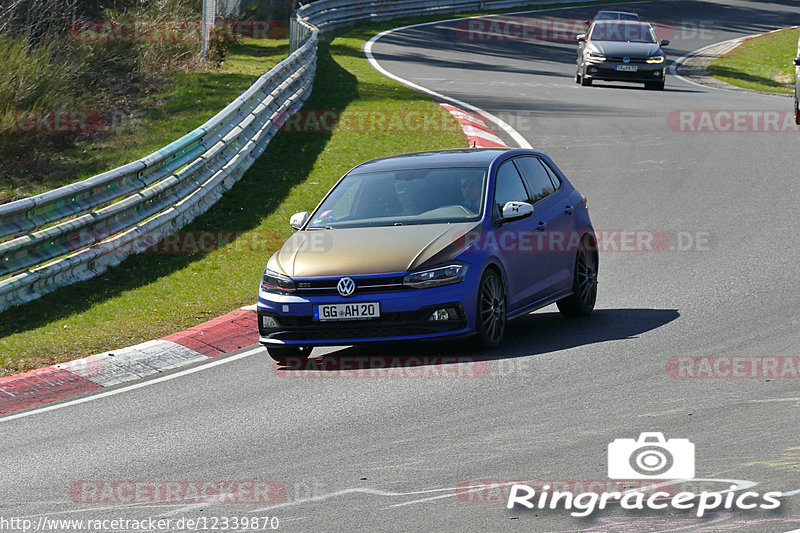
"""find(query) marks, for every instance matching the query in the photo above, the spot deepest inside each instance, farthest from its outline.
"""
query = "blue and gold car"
(430, 245)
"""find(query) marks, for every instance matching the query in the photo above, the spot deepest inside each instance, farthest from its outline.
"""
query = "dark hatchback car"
(621, 51)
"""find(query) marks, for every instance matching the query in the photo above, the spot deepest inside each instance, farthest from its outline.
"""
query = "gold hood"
(377, 250)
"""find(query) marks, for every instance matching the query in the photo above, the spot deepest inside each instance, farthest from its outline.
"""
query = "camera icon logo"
(651, 457)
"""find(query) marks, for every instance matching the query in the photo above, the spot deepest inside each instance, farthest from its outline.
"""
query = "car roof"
(622, 21)
(618, 13)
(626, 22)
(467, 157)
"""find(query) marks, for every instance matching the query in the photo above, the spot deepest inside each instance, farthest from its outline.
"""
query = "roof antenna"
(474, 143)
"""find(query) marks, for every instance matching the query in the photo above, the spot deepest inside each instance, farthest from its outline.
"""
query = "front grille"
(632, 60)
(408, 323)
(363, 285)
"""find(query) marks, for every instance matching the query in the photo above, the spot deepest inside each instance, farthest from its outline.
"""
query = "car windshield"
(622, 32)
(614, 15)
(401, 197)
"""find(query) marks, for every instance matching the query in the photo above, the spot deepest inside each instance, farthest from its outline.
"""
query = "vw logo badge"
(346, 286)
(626, 59)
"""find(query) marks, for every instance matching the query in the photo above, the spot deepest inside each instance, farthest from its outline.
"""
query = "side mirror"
(581, 37)
(797, 61)
(298, 219)
(587, 22)
(516, 211)
(664, 42)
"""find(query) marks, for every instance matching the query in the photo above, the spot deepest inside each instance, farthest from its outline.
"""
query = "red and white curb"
(238, 329)
(479, 133)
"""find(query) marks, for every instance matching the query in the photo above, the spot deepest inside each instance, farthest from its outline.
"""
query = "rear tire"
(490, 316)
(584, 282)
(796, 109)
(283, 354)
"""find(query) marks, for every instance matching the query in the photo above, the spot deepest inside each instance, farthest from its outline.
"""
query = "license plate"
(354, 311)
(627, 68)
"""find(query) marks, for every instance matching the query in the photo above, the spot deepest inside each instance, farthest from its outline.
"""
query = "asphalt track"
(388, 454)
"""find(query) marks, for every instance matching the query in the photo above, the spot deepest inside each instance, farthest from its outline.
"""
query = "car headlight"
(655, 59)
(435, 277)
(592, 56)
(277, 283)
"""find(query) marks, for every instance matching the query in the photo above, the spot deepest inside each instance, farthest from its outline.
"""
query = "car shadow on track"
(642, 88)
(533, 334)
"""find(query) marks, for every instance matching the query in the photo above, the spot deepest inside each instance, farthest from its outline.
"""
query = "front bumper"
(607, 70)
(404, 315)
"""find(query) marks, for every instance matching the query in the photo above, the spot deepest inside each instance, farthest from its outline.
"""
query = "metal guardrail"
(78, 231)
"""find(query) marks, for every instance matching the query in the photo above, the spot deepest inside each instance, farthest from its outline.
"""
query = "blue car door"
(552, 212)
(515, 242)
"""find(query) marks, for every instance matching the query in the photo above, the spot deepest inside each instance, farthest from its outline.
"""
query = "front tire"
(585, 82)
(490, 317)
(654, 85)
(584, 283)
(282, 354)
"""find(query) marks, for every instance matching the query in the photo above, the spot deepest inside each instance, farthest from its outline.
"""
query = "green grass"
(762, 63)
(152, 295)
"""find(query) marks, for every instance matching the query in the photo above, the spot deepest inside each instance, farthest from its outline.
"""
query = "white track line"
(134, 386)
(673, 68)
(514, 134)
(343, 492)
(519, 139)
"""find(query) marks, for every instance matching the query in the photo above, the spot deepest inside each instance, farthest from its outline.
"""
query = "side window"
(553, 177)
(536, 176)
(508, 187)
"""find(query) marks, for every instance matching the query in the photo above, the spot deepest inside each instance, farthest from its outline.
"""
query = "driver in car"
(471, 191)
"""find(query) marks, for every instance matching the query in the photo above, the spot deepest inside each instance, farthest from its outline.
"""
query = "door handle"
(569, 209)
(541, 226)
